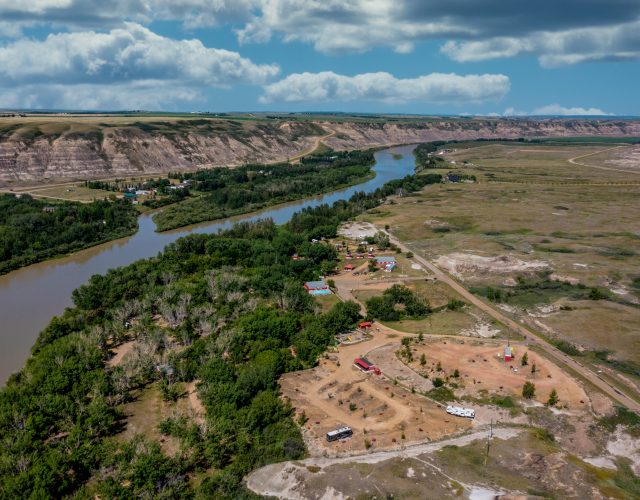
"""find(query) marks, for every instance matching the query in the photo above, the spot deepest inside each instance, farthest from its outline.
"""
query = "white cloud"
(555, 110)
(432, 88)
(621, 42)
(125, 54)
(558, 33)
(149, 95)
(98, 68)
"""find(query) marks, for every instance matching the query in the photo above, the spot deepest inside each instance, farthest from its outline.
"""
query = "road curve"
(533, 337)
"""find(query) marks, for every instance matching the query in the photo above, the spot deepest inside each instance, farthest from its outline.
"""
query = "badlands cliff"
(35, 149)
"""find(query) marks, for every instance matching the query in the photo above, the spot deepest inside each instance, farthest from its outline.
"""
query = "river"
(31, 296)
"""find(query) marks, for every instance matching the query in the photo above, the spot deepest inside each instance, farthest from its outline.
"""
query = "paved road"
(532, 337)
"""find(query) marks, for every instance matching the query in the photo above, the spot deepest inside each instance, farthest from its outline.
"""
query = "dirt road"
(573, 160)
(281, 480)
(532, 337)
(315, 146)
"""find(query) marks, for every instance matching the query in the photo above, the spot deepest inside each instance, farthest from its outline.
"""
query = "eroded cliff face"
(35, 151)
(40, 150)
(361, 135)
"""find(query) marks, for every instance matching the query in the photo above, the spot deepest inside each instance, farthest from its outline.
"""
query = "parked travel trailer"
(461, 412)
(342, 432)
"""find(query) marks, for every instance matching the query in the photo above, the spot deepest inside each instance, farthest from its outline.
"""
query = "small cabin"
(317, 288)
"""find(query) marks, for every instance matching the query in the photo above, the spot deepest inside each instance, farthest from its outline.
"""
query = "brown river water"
(31, 296)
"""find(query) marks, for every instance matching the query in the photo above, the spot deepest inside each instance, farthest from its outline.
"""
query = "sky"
(469, 57)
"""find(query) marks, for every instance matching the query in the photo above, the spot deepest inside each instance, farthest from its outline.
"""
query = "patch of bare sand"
(480, 329)
(461, 264)
(357, 230)
(626, 158)
(196, 407)
(625, 445)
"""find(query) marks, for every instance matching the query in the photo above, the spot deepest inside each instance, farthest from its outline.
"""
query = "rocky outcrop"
(40, 149)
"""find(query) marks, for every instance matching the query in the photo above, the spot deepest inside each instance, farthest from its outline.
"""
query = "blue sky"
(573, 57)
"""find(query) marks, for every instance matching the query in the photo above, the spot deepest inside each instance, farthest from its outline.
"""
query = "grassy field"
(73, 193)
(530, 203)
(326, 302)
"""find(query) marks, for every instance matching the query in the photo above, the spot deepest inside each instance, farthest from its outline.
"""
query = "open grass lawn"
(326, 302)
(438, 294)
(74, 193)
(439, 323)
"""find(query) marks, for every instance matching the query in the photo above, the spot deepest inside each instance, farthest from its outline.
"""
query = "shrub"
(553, 398)
(528, 390)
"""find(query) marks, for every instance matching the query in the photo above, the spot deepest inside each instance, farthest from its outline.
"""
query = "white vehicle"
(340, 433)
(461, 412)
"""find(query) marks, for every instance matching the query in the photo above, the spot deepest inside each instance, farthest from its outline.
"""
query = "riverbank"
(31, 296)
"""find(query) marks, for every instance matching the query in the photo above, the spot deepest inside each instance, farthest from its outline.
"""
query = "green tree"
(525, 359)
(423, 360)
(528, 390)
(533, 368)
(553, 398)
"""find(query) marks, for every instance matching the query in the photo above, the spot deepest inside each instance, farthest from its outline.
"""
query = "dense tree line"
(226, 192)
(235, 304)
(33, 230)
(425, 156)
(396, 303)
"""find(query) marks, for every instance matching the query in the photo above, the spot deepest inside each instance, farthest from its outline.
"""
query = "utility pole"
(486, 458)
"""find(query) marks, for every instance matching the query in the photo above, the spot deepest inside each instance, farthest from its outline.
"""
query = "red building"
(364, 364)
(365, 324)
(349, 267)
(508, 353)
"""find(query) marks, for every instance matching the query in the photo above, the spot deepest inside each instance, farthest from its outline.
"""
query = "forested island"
(227, 192)
(227, 311)
(33, 230)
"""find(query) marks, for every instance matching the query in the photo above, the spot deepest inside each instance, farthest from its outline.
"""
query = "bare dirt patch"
(482, 371)
(336, 393)
(121, 352)
(357, 230)
(461, 264)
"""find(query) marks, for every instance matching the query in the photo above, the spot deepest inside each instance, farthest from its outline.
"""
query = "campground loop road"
(534, 339)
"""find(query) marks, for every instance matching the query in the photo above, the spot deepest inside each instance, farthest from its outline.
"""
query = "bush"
(553, 398)
(528, 390)
(441, 394)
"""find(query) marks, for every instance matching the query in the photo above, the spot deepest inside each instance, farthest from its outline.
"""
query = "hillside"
(69, 147)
